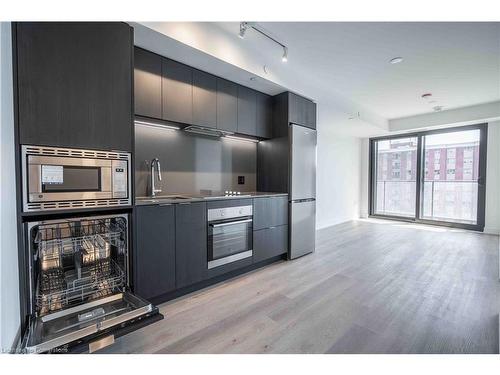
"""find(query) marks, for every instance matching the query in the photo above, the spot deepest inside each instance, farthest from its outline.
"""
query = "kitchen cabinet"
(190, 243)
(301, 111)
(270, 212)
(264, 116)
(227, 105)
(177, 92)
(247, 111)
(147, 83)
(74, 84)
(204, 99)
(154, 251)
(270, 242)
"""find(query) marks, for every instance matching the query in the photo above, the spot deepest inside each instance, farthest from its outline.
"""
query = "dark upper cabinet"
(74, 84)
(147, 83)
(227, 105)
(301, 111)
(191, 243)
(247, 111)
(154, 251)
(264, 116)
(270, 242)
(204, 99)
(270, 212)
(177, 92)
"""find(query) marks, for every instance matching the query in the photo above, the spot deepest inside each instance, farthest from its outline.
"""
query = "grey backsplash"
(191, 163)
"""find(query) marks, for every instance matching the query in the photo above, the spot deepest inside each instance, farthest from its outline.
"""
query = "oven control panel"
(215, 214)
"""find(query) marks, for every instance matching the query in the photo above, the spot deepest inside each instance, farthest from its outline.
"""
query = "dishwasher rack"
(78, 261)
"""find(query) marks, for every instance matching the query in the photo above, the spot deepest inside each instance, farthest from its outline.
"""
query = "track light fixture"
(243, 29)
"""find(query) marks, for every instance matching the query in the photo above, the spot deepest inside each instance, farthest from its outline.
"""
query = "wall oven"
(229, 235)
(62, 178)
(78, 278)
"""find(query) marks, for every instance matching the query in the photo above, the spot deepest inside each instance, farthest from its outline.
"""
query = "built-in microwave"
(56, 178)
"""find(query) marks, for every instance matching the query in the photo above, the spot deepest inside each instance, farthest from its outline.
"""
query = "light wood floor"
(370, 287)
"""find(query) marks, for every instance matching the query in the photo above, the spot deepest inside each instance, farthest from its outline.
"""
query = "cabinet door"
(264, 115)
(147, 83)
(227, 105)
(270, 242)
(270, 212)
(177, 92)
(311, 115)
(204, 99)
(74, 83)
(247, 111)
(297, 109)
(191, 243)
(154, 252)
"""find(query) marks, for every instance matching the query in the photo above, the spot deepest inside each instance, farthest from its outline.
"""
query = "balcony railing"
(447, 200)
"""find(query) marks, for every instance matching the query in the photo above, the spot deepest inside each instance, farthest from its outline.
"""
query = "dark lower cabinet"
(154, 251)
(270, 242)
(74, 84)
(270, 212)
(190, 243)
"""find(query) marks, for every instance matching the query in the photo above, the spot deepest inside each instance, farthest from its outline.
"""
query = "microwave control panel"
(120, 180)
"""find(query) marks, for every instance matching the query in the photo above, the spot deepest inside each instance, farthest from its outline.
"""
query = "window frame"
(420, 171)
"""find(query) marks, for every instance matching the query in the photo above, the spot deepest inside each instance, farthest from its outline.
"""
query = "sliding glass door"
(396, 173)
(433, 177)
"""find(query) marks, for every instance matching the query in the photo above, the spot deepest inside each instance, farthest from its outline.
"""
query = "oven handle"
(231, 223)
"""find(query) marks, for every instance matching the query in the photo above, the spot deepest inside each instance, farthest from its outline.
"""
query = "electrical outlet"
(241, 180)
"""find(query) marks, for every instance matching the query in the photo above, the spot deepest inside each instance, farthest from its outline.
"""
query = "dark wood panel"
(247, 111)
(204, 99)
(270, 242)
(177, 92)
(269, 212)
(147, 83)
(75, 84)
(154, 254)
(191, 243)
(227, 105)
(264, 116)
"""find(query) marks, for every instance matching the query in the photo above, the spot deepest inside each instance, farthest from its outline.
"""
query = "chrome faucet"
(158, 169)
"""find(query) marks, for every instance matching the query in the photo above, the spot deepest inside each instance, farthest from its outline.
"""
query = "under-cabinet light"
(252, 140)
(156, 125)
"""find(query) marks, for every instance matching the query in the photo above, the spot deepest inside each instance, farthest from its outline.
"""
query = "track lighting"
(243, 29)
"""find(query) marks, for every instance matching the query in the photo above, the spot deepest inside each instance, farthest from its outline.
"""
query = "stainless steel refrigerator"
(302, 205)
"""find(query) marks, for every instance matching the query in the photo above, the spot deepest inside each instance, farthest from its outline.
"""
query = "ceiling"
(345, 67)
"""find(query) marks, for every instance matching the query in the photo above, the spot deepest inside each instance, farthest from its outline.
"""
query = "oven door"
(229, 241)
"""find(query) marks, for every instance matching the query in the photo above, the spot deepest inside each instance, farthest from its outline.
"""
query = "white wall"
(9, 282)
(492, 214)
(338, 177)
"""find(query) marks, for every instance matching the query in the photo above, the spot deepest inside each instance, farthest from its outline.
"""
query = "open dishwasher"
(79, 284)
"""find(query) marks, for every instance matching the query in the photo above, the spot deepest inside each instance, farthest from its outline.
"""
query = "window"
(447, 178)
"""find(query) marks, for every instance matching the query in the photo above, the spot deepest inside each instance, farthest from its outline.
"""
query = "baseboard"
(491, 230)
(327, 225)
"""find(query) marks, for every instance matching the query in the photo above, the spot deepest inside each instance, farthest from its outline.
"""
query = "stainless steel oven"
(63, 178)
(229, 235)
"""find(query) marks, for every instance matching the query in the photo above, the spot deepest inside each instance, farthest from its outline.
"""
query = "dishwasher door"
(50, 333)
